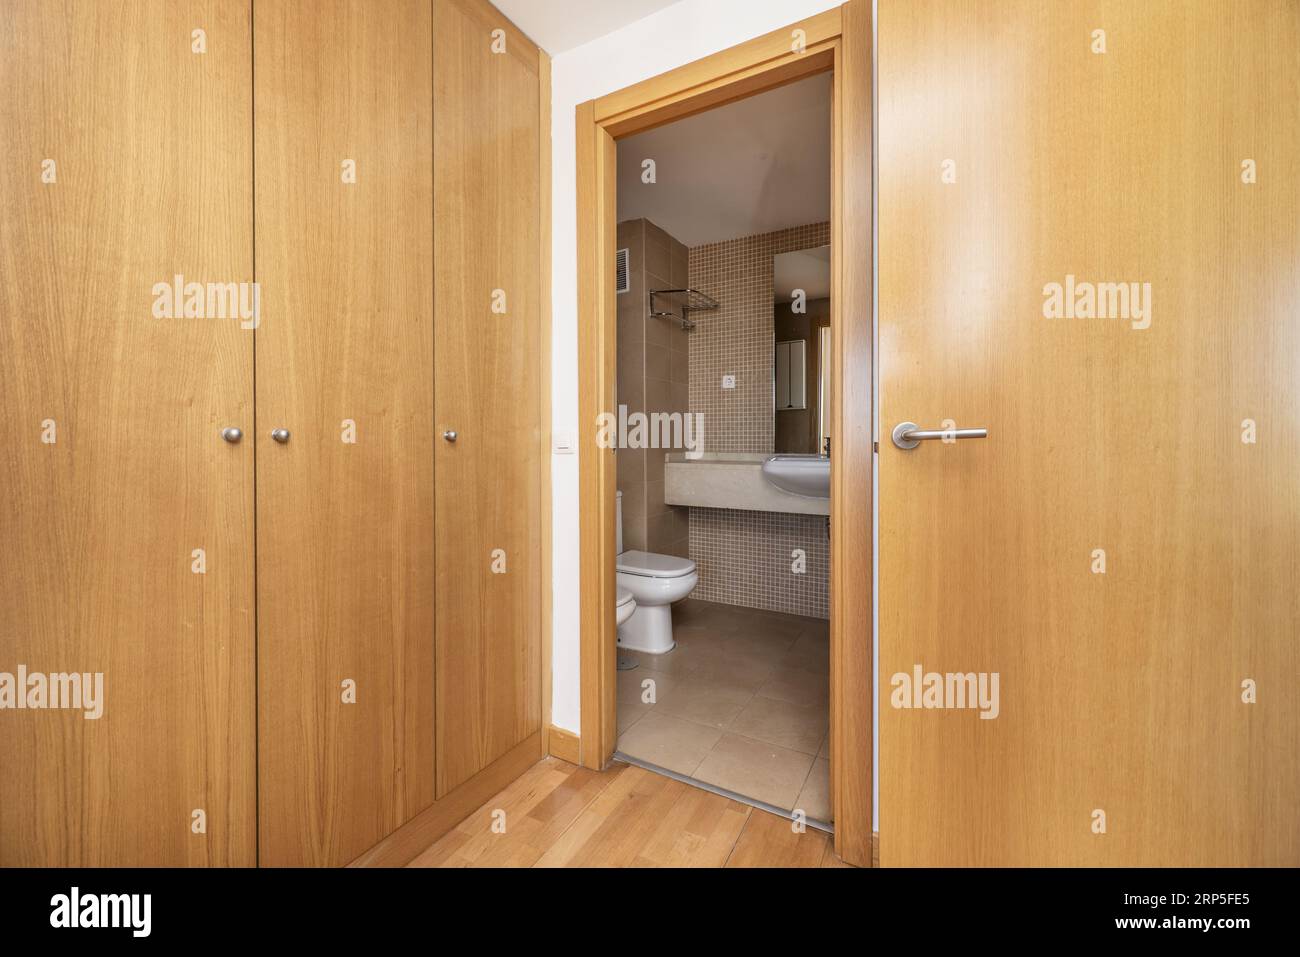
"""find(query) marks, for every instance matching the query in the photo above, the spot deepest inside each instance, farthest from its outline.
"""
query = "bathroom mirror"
(801, 345)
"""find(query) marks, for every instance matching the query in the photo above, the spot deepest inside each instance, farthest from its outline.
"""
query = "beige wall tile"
(681, 548)
(630, 231)
(679, 270)
(631, 320)
(631, 469)
(658, 395)
(744, 558)
(654, 501)
(634, 521)
(679, 396)
(658, 363)
(663, 529)
(654, 465)
(737, 338)
(659, 253)
(645, 369)
(679, 522)
(659, 331)
(679, 369)
(630, 382)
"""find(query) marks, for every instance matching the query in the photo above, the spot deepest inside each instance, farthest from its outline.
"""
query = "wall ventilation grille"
(621, 278)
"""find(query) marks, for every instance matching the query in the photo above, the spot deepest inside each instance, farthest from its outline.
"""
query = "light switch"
(728, 381)
(563, 443)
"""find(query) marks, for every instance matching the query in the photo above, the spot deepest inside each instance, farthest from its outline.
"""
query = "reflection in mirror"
(801, 283)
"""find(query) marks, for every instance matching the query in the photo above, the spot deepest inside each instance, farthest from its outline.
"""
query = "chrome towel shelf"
(685, 301)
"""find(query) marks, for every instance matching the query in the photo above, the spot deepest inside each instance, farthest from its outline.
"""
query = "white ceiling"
(806, 269)
(559, 25)
(754, 166)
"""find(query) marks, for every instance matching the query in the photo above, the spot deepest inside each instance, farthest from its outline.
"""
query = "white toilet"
(625, 605)
(654, 582)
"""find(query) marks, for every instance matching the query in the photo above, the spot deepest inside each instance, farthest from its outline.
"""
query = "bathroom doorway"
(723, 281)
(747, 678)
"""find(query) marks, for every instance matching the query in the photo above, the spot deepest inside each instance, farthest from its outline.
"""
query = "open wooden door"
(1122, 549)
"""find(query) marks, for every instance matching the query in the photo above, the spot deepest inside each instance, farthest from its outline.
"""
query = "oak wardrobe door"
(488, 328)
(126, 534)
(344, 157)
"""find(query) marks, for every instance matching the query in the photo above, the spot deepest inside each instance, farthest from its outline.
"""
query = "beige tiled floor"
(741, 703)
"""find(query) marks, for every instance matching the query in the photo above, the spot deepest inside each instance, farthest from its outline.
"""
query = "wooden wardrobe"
(321, 640)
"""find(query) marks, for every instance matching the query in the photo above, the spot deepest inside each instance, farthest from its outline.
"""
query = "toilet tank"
(618, 524)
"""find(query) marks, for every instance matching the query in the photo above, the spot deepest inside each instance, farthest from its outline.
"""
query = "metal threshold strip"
(762, 806)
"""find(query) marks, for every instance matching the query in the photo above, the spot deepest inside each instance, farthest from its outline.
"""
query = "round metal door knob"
(280, 435)
(449, 435)
(232, 435)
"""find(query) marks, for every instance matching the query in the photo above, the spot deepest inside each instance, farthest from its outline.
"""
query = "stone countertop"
(732, 480)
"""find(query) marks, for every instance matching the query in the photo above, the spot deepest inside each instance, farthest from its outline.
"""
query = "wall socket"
(728, 381)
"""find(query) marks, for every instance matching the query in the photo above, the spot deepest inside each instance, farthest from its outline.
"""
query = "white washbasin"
(808, 475)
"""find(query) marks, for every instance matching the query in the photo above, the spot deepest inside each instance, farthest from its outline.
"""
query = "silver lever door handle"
(908, 435)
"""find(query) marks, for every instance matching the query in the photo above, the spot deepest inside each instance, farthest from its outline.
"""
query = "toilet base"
(649, 630)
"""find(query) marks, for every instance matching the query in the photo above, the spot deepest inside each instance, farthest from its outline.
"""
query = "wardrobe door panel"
(344, 156)
(488, 322)
(126, 533)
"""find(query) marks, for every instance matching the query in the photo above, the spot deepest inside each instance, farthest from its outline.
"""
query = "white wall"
(686, 31)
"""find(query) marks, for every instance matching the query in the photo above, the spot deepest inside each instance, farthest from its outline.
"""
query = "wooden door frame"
(837, 41)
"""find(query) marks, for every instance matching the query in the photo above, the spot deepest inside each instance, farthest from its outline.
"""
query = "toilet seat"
(653, 565)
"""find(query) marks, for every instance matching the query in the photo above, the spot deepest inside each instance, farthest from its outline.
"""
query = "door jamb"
(838, 40)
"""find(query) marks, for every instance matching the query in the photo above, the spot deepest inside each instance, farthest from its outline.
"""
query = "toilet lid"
(652, 565)
(624, 596)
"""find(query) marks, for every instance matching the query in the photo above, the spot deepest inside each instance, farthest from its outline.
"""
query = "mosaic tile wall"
(744, 558)
(737, 338)
(652, 370)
